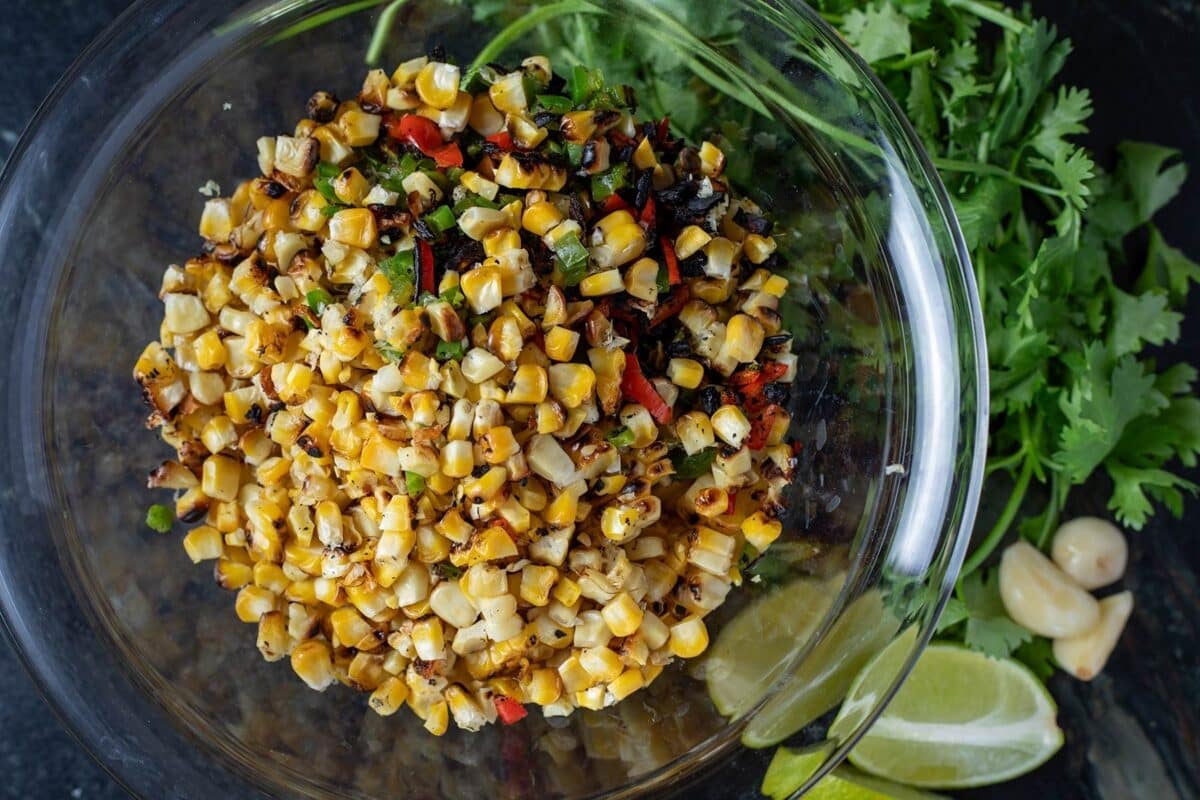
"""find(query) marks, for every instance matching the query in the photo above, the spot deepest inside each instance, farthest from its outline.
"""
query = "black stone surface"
(1132, 733)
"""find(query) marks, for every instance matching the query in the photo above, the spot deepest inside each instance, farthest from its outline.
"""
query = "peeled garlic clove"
(1041, 597)
(1091, 550)
(1084, 656)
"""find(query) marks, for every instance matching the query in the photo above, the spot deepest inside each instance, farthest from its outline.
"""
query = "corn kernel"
(561, 343)
(758, 248)
(760, 530)
(690, 240)
(626, 684)
(602, 283)
(689, 638)
(312, 660)
(540, 218)
(731, 425)
(354, 227)
(712, 160)
(221, 477)
(685, 372)
(203, 543)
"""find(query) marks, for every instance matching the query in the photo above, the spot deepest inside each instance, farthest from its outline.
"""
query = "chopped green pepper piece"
(441, 219)
(695, 465)
(571, 257)
(474, 201)
(454, 296)
(388, 352)
(450, 350)
(160, 517)
(317, 299)
(663, 280)
(584, 83)
(575, 154)
(620, 437)
(401, 272)
(414, 483)
(554, 103)
(332, 208)
(323, 183)
(609, 182)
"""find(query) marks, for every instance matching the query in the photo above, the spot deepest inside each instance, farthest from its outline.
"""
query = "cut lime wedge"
(789, 769)
(961, 719)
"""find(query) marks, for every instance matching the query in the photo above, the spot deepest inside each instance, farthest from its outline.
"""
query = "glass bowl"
(141, 653)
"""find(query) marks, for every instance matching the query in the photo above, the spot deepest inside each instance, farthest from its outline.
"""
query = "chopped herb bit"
(317, 299)
(447, 571)
(450, 350)
(401, 272)
(160, 517)
(693, 466)
(454, 296)
(388, 352)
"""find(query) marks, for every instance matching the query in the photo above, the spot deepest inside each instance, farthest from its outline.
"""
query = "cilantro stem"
(990, 13)
(993, 171)
(1008, 462)
(1053, 508)
(528, 22)
(325, 17)
(908, 61)
(383, 29)
(996, 534)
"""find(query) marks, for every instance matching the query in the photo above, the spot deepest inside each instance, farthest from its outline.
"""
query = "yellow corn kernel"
(685, 372)
(690, 240)
(540, 218)
(743, 338)
(486, 486)
(641, 279)
(493, 544)
(221, 477)
(210, 350)
(354, 227)
(349, 626)
(312, 660)
(482, 287)
(626, 684)
(776, 285)
(578, 126)
(306, 211)
(623, 240)
(508, 93)
(607, 282)
(526, 134)
(689, 637)
(232, 574)
(712, 160)
(477, 184)
(643, 155)
(543, 687)
(731, 425)
(203, 543)
(438, 718)
(601, 663)
(573, 676)
(357, 127)
(351, 187)
(381, 455)
(561, 343)
(254, 601)
(273, 640)
(500, 241)
(622, 615)
(760, 530)
(432, 547)
(218, 433)
(529, 385)
(572, 384)
(522, 175)
(498, 445)
(428, 638)
(758, 248)
(270, 576)
(562, 509)
(484, 118)
(388, 697)
(536, 583)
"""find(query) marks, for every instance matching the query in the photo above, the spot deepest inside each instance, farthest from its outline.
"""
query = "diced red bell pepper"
(503, 140)
(671, 306)
(423, 134)
(773, 371)
(673, 276)
(635, 386)
(614, 203)
(425, 257)
(508, 709)
(760, 427)
(649, 216)
(662, 130)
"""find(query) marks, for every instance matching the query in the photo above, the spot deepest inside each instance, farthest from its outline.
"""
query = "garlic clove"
(1041, 597)
(1091, 550)
(1084, 656)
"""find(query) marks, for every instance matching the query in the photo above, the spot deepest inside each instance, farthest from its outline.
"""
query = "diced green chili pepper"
(575, 154)
(441, 219)
(317, 299)
(450, 350)
(414, 483)
(332, 208)
(584, 83)
(160, 517)
(401, 272)
(609, 182)
(555, 103)
(474, 201)
(323, 183)
(571, 257)
(695, 465)
(388, 352)
(620, 437)
(663, 280)
(454, 296)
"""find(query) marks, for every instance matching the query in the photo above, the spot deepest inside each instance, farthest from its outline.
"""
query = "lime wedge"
(961, 719)
(738, 670)
(789, 769)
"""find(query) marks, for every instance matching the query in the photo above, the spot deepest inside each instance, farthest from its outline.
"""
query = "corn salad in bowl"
(477, 392)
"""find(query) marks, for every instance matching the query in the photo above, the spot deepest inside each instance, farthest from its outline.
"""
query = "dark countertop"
(1135, 731)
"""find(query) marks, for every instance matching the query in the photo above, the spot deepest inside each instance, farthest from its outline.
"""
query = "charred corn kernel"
(572, 384)
(484, 118)
(221, 477)
(351, 187)
(427, 636)
(306, 211)
(203, 543)
(525, 175)
(731, 425)
(643, 155)
(578, 126)
(743, 338)
(536, 583)
(712, 160)
(508, 93)
(477, 222)
(270, 576)
(486, 486)
(695, 432)
(561, 343)
(600, 663)
(500, 241)
(219, 433)
(388, 697)
(210, 350)
(641, 280)
(760, 530)
(626, 684)
(312, 661)
(607, 282)
(620, 523)
(457, 459)
(758, 248)
(529, 385)
(493, 544)
(477, 184)
(354, 227)
(525, 133)
(690, 241)
(540, 218)
(544, 687)
(776, 285)
(483, 288)
(254, 601)
(689, 638)
(232, 574)
(685, 372)
(622, 615)
(273, 640)
(358, 128)
(438, 718)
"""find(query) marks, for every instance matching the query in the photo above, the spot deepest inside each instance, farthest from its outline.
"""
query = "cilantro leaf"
(878, 32)
(989, 628)
(1141, 319)
(1152, 186)
(1038, 655)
